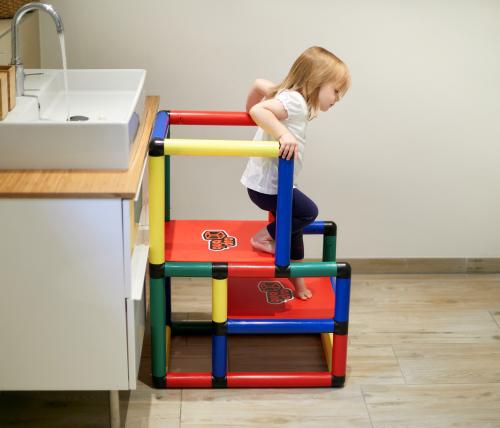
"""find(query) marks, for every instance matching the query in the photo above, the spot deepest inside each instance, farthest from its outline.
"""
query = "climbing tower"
(251, 291)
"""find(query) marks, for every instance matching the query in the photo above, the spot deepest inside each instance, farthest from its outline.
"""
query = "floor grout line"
(399, 364)
(494, 319)
(366, 406)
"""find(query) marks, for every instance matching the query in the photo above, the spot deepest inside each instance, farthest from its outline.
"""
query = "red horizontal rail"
(250, 270)
(279, 379)
(198, 117)
(189, 380)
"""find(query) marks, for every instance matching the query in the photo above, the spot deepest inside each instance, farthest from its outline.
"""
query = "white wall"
(406, 164)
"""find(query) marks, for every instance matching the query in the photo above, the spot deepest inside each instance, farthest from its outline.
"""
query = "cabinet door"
(62, 314)
(136, 249)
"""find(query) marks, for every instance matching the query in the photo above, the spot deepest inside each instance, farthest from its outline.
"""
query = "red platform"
(266, 298)
(198, 241)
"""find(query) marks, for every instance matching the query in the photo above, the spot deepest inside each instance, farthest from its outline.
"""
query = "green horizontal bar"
(194, 269)
(298, 270)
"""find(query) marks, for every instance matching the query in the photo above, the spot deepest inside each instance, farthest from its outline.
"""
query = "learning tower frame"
(334, 331)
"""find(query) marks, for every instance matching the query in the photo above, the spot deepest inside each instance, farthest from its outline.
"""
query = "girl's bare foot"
(262, 241)
(301, 290)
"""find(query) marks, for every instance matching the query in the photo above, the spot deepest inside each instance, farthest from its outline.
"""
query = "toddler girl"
(316, 81)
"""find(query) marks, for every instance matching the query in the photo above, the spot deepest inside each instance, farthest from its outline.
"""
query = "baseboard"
(423, 266)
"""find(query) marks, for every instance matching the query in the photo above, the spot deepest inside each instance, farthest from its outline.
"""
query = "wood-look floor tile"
(149, 407)
(433, 406)
(425, 292)
(372, 364)
(450, 363)
(304, 408)
(451, 326)
(54, 409)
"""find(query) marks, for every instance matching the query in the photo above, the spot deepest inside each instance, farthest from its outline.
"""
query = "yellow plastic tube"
(327, 341)
(219, 300)
(156, 209)
(243, 148)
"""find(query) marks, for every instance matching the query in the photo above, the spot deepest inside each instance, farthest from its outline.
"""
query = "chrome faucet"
(16, 57)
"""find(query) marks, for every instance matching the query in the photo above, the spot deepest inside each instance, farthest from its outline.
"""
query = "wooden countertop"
(84, 183)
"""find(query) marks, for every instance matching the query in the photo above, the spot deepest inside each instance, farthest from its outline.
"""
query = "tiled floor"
(424, 351)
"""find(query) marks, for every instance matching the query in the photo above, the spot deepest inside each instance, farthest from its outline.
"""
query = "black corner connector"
(156, 148)
(157, 271)
(282, 271)
(341, 328)
(330, 228)
(160, 382)
(343, 270)
(219, 270)
(338, 381)
(219, 328)
(219, 382)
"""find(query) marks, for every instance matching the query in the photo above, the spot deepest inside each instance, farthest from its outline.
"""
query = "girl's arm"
(260, 89)
(267, 114)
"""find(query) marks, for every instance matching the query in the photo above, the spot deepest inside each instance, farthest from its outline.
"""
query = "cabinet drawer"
(135, 255)
(136, 324)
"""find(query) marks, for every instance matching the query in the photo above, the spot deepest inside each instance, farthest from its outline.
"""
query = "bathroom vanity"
(73, 254)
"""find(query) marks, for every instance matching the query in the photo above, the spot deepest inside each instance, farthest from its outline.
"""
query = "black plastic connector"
(160, 382)
(330, 228)
(343, 270)
(338, 381)
(219, 382)
(340, 328)
(219, 328)
(191, 328)
(156, 148)
(282, 272)
(157, 271)
(219, 270)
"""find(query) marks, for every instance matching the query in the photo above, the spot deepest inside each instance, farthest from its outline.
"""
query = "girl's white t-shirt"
(261, 174)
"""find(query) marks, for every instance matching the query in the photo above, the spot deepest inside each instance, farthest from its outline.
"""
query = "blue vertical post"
(161, 130)
(342, 297)
(219, 356)
(284, 212)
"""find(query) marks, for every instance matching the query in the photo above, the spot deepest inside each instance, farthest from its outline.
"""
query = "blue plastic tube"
(284, 212)
(270, 326)
(219, 356)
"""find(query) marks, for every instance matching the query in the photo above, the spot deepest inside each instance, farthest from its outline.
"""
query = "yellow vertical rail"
(219, 300)
(327, 341)
(156, 209)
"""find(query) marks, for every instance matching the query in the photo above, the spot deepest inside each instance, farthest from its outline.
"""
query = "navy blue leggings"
(304, 212)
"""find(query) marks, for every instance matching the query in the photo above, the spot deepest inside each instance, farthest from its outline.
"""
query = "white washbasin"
(37, 135)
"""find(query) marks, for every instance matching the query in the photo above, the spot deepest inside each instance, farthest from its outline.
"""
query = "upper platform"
(213, 241)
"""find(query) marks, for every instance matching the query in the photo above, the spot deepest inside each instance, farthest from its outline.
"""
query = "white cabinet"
(72, 299)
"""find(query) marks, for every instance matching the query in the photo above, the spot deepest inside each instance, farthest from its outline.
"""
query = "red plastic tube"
(279, 379)
(189, 380)
(339, 357)
(222, 118)
(250, 270)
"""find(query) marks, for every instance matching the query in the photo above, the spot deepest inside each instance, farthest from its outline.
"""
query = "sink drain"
(78, 118)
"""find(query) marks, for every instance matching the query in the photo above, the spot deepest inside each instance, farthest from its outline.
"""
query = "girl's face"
(328, 96)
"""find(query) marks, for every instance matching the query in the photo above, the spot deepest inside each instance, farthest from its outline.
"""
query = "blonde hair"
(315, 67)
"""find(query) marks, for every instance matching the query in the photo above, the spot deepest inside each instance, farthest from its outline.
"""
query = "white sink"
(37, 135)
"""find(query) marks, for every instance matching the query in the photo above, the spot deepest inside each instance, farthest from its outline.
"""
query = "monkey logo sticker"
(275, 292)
(219, 240)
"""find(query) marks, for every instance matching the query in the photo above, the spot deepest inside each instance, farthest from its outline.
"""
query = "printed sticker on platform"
(276, 293)
(219, 240)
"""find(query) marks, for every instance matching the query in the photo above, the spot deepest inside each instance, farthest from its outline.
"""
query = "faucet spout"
(16, 56)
